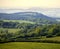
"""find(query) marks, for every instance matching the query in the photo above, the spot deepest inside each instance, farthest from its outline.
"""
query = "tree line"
(27, 31)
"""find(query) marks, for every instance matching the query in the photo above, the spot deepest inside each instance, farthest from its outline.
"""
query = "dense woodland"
(27, 31)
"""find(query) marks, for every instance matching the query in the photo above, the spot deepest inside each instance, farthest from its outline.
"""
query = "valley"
(32, 29)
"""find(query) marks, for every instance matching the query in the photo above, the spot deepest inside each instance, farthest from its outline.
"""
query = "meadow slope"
(29, 45)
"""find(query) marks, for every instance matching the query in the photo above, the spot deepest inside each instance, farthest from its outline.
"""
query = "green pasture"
(20, 21)
(29, 45)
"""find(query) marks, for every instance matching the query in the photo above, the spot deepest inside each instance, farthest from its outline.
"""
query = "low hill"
(28, 16)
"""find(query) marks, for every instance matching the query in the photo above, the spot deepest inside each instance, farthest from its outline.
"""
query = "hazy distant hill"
(29, 16)
(52, 12)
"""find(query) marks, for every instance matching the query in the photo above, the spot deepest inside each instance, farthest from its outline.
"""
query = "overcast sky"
(25, 4)
(29, 3)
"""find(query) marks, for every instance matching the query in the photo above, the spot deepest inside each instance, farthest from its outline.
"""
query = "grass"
(20, 21)
(12, 30)
(45, 40)
(57, 38)
(29, 45)
(53, 38)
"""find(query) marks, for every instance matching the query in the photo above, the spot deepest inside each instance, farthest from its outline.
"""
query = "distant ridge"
(29, 16)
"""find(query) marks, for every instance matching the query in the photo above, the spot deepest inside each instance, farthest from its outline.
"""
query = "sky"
(29, 3)
(26, 4)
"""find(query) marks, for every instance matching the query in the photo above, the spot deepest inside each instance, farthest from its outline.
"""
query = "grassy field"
(29, 45)
(12, 30)
(57, 38)
(53, 38)
(20, 21)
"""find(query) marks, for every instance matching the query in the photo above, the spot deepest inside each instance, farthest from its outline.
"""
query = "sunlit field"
(29, 45)
(11, 30)
(20, 21)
